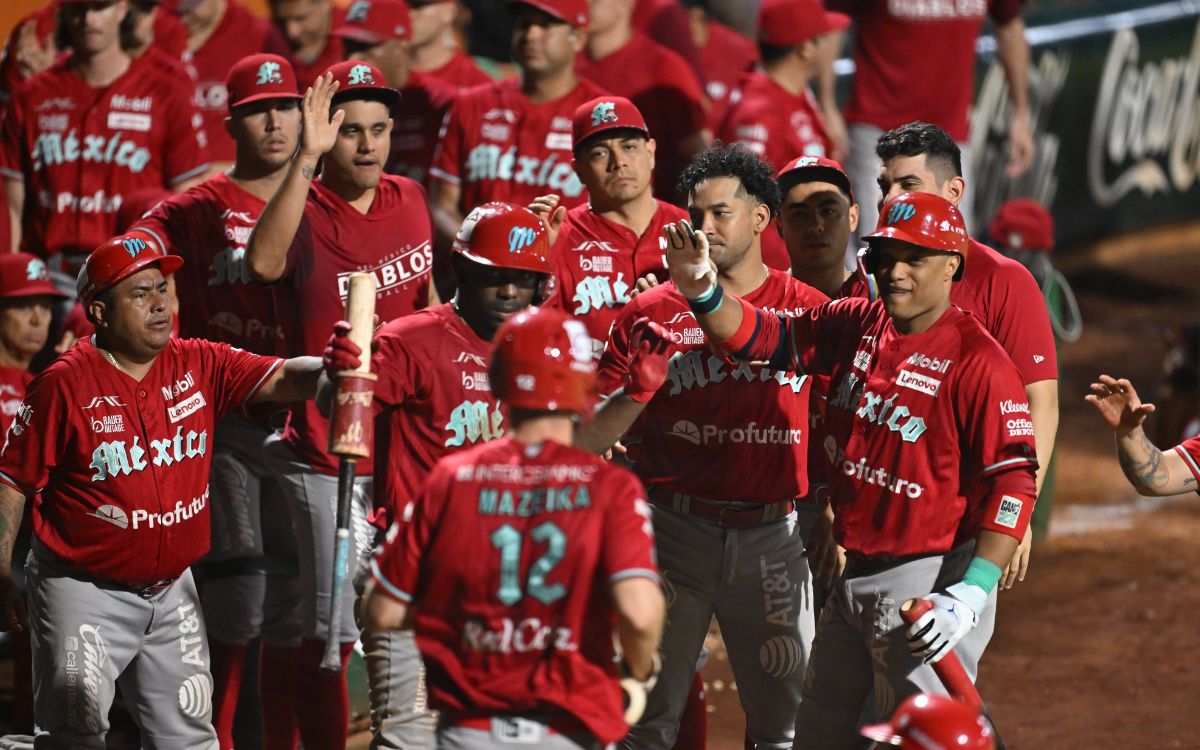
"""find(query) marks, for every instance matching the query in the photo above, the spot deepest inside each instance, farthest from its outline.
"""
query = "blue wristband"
(708, 302)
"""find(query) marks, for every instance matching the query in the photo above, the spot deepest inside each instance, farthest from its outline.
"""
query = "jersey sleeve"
(1189, 451)
(400, 372)
(1021, 323)
(185, 144)
(627, 548)
(448, 154)
(235, 375)
(614, 362)
(37, 438)
(396, 568)
(994, 417)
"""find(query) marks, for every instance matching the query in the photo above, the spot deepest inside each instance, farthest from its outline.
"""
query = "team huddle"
(625, 379)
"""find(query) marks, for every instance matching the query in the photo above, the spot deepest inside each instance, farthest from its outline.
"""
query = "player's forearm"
(825, 82)
(295, 380)
(641, 610)
(267, 248)
(995, 547)
(447, 215)
(325, 391)
(1043, 412)
(12, 504)
(14, 193)
(1149, 470)
(1013, 52)
(381, 612)
(608, 424)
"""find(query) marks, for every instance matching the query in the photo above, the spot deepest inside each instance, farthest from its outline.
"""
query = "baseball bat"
(350, 428)
(949, 669)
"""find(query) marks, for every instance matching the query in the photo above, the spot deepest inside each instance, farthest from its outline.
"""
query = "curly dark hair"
(942, 155)
(720, 160)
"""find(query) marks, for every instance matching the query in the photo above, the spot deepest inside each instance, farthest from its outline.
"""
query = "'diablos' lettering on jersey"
(700, 369)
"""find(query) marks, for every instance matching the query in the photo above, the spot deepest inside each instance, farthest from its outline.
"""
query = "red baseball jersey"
(308, 70)
(918, 424)
(81, 150)
(1189, 451)
(509, 553)
(727, 56)
(13, 383)
(415, 125)
(1006, 299)
(882, 93)
(239, 34)
(711, 414)
(499, 146)
(119, 469)
(433, 398)
(208, 227)
(460, 73)
(665, 90)
(597, 262)
(774, 123)
(334, 240)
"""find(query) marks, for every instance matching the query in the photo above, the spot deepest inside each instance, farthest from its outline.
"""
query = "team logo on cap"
(133, 246)
(604, 112)
(901, 212)
(36, 271)
(361, 75)
(520, 238)
(358, 11)
(268, 72)
(806, 161)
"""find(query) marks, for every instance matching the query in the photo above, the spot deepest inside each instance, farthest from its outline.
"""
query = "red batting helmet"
(1023, 224)
(505, 235)
(921, 219)
(120, 258)
(931, 722)
(542, 360)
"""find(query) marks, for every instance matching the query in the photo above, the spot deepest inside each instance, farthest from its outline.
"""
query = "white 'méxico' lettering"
(113, 458)
(699, 369)
(488, 162)
(55, 148)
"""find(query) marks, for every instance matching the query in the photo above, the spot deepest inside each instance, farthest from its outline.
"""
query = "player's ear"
(954, 188)
(761, 217)
(578, 39)
(651, 148)
(952, 265)
(96, 310)
(228, 123)
(852, 216)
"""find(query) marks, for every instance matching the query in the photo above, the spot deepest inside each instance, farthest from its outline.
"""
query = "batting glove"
(936, 633)
(635, 691)
(648, 368)
(340, 352)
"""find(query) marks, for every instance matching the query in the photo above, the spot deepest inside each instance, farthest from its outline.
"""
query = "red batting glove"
(648, 369)
(340, 352)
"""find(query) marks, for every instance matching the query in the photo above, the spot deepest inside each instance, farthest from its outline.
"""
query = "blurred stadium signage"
(1115, 107)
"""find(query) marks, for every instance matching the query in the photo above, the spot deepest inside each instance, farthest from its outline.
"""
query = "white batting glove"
(936, 633)
(635, 690)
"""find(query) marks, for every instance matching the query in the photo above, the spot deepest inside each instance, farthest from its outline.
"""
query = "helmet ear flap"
(869, 257)
(962, 267)
(545, 289)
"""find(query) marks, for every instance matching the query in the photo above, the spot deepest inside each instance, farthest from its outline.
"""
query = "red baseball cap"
(376, 21)
(605, 113)
(25, 275)
(118, 259)
(262, 76)
(782, 23)
(361, 80)
(574, 12)
(813, 169)
(1023, 224)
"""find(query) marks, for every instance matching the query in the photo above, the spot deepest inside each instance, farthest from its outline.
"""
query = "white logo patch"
(195, 696)
(129, 121)
(918, 382)
(111, 514)
(1010, 511)
(186, 408)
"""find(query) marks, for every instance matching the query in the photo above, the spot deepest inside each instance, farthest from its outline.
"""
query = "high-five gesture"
(687, 258)
(320, 130)
(1118, 404)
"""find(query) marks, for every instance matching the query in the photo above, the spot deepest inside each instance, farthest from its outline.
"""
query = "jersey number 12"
(508, 540)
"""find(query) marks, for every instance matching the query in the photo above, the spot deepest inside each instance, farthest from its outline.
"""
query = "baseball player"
(250, 585)
(435, 49)
(724, 56)
(112, 444)
(725, 538)
(26, 299)
(1152, 472)
(511, 140)
(605, 245)
(377, 32)
(518, 557)
(310, 237)
(893, 84)
(219, 33)
(301, 32)
(934, 515)
(925, 721)
(88, 131)
(1000, 292)
(662, 85)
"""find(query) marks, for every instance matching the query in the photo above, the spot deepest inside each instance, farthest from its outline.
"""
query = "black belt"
(720, 513)
(858, 564)
(142, 589)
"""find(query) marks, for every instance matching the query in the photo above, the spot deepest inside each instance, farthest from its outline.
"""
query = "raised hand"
(320, 130)
(687, 258)
(1118, 404)
(649, 343)
(547, 209)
